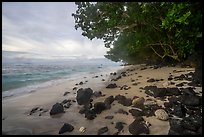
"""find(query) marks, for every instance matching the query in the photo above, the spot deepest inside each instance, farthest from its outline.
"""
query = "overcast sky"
(47, 29)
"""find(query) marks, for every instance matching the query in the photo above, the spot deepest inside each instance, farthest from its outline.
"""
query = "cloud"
(47, 29)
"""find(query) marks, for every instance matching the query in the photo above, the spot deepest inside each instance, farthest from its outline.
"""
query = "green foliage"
(138, 30)
(180, 18)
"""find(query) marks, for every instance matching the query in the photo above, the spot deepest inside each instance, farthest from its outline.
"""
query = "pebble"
(161, 114)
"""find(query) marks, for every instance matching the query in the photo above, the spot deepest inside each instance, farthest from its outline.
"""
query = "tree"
(138, 29)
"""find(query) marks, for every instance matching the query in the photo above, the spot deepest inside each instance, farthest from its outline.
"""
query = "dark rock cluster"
(183, 103)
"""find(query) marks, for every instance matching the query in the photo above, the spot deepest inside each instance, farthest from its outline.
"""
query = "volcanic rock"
(99, 107)
(84, 95)
(56, 109)
(138, 126)
(66, 128)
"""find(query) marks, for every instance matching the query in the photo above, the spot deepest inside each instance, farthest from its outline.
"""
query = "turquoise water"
(18, 75)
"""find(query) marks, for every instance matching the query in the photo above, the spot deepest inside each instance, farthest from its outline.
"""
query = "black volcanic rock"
(190, 100)
(179, 110)
(175, 127)
(137, 127)
(99, 107)
(56, 109)
(66, 128)
(84, 95)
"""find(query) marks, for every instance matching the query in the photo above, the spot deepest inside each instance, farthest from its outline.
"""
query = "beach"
(18, 119)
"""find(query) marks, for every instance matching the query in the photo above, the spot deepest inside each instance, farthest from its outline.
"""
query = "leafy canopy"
(141, 30)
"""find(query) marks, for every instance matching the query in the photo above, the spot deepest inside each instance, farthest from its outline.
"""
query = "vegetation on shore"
(140, 32)
(136, 29)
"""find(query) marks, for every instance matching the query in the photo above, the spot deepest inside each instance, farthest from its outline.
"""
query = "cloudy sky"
(46, 29)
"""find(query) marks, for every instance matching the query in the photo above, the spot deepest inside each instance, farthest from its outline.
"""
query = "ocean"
(24, 76)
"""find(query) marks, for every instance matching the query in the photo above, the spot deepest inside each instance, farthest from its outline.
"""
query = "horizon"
(46, 29)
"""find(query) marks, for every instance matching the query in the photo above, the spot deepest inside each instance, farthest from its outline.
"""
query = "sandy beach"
(17, 120)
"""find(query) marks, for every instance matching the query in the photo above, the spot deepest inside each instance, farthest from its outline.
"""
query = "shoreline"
(74, 77)
(15, 109)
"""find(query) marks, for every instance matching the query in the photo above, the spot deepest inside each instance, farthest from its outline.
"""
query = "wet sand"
(15, 110)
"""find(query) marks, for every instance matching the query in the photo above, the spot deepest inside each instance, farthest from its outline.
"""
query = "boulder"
(84, 95)
(66, 128)
(99, 107)
(56, 109)
(161, 114)
(138, 127)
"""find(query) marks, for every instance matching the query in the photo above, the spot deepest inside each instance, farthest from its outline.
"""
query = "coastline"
(15, 109)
